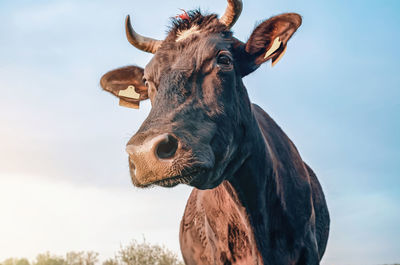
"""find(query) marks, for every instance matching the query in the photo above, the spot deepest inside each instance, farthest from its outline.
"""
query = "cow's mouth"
(186, 177)
(172, 181)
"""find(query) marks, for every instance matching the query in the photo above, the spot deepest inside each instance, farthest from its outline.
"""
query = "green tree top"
(49, 259)
(144, 254)
(15, 261)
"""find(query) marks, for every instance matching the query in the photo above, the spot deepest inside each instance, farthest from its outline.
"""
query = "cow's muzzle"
(152, 161)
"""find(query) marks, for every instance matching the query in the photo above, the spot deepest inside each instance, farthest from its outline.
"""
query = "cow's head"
(201, 114)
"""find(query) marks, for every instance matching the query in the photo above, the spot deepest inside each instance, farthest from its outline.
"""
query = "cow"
(254, 200)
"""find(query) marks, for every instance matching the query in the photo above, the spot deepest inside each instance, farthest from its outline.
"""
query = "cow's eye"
(224, 59)
(146, 83)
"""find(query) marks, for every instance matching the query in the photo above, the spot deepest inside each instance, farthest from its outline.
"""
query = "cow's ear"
(127, 84)
(268, 41)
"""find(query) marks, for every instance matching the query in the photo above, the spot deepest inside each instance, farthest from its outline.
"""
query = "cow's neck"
(251, 183)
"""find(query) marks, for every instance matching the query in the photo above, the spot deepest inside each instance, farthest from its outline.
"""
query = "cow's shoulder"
(290, 173)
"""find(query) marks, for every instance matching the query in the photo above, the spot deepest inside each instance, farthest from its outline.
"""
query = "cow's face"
(196, 129)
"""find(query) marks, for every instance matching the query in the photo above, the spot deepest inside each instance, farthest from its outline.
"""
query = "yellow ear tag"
(279, 57)
(129, 92)
(275, 45)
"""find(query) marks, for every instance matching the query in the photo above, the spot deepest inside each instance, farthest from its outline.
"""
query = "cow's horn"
(232, 13)
(142, 43)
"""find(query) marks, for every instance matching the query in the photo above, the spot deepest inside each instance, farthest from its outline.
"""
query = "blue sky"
(64, 183)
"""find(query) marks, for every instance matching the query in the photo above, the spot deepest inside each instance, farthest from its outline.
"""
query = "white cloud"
(40, 215)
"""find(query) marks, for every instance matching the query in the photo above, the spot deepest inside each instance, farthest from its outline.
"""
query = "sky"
(64, 180)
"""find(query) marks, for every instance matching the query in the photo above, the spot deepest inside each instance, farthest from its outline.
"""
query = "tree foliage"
(82, 258)
(135, 253)
(49, 259)
(144, 254)
(15, 261)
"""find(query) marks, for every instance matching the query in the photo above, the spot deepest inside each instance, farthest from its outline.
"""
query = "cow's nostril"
(167, 147)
